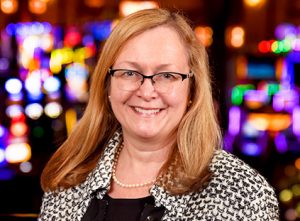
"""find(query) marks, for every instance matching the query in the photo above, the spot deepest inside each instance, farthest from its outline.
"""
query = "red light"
(264, 47)
(72, 39)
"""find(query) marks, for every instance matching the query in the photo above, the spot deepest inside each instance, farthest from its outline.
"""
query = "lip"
(147, 111)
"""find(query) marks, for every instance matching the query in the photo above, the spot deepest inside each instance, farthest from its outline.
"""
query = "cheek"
(178, 97)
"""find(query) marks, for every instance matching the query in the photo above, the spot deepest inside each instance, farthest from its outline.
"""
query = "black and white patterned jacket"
(235, 192)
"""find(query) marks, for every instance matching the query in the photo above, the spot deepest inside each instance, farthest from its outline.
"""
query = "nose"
(147, 90)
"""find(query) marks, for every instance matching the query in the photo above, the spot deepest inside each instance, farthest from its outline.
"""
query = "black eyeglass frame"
(183, 76)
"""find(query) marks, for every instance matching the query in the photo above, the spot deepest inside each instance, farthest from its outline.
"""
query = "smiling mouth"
(148, 112)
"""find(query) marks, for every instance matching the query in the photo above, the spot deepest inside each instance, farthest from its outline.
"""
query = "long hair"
(198, 134)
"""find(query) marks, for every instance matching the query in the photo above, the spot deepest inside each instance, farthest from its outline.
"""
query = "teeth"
(148, 111)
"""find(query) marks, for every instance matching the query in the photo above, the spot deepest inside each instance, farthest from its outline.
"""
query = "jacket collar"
(98, 181)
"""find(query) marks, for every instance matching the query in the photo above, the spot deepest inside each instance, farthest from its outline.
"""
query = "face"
(146, 113)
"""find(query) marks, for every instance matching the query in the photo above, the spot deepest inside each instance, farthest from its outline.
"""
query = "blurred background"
(48, 50)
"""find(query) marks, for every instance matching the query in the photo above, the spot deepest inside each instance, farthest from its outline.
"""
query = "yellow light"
(204, 35)
(53, 109)
(296, 190)
(17, 152)
(79, 55)
(285, 195)
(129, 7)
(9, 6)
(71, 119)
(271, 122)
(254, 3)
(37, 6)
(235, 37)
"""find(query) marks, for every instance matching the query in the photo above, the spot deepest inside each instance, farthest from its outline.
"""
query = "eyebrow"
(139, 67)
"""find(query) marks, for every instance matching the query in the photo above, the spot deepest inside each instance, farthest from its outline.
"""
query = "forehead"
(159, 45)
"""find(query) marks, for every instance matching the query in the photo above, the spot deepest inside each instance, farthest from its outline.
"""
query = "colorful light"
(25, 167)
(237, 93)
(52, 84)
(4, 64)
(9, 6)
(234, 120)
(71, 119)
(34, 111)
(285, 195)
(37, 6)
(18, 129)
(251, 149)
(14, 111)
(296, 121)
(101, 30)
(271, 122)
(249, 131)
(53, 109)
(13, 86)
(17, 152)
(235, 36)
(285, 100)
(204, 35)
(281, 143)
(255, 99)
(254, 3)
(2, 156)
(129, 7)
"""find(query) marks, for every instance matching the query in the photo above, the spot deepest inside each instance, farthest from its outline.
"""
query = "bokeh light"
(17, 152)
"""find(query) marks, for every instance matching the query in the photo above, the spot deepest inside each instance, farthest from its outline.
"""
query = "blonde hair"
(198, 134)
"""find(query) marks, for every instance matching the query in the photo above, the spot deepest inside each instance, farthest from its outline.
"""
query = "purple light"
(251, 149)
(296, 45)
(228, 142)
(285, 30)
(256, 95)
(285, 100)
(296, 121)
(234, 120)
(281, 143)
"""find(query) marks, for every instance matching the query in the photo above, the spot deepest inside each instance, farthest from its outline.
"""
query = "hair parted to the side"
(198, 134)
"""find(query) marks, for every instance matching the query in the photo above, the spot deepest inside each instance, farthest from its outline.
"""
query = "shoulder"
(236, 191)
(238, 177)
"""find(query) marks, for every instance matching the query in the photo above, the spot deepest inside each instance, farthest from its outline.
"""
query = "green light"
(273, 89)
(236, 96)
(38, 131)
(238, 92)
(287, 45)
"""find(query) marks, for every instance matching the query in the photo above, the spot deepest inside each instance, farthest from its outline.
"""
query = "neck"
(143, 160)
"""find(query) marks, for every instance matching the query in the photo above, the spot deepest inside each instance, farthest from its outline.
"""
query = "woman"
(148, 144)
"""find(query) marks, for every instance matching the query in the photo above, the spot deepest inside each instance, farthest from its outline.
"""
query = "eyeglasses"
(130, 80)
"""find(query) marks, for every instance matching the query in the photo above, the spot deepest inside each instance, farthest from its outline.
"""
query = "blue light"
(6, 174)
(52, 84)
(251, 149)
(76, 71)
(102, 30)
(13, 86)
(11, 29)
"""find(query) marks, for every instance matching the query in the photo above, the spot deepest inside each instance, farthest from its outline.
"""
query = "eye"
(167, 76)
(127, 74)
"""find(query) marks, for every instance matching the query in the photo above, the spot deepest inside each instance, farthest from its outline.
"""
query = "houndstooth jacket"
(235, 192)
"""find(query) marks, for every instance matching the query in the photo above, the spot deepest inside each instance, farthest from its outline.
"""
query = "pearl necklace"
(136, 185)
